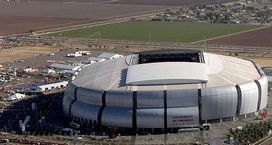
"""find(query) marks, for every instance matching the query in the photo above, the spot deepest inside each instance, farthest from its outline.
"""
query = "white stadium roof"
(167, 73)
(119, 74)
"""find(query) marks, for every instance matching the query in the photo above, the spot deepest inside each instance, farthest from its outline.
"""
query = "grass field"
(156, 31)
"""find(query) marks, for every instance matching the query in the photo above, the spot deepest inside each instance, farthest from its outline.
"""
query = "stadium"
(165, 90)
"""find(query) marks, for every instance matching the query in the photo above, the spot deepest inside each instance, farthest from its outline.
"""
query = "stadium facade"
(165, 89)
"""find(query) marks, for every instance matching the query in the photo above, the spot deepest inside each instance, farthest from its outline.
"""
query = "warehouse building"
(49, 87)
(59, 66)
(109, 56)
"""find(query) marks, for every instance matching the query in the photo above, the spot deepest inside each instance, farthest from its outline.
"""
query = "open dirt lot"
(263, 61)
(39, 15)
(258, 38)
(24, 52)
(19, 16)
(13, 25)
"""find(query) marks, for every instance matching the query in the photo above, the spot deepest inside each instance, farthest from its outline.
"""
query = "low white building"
(30, 70)
(83, 52)
(68, 72)
(73, 55)
(52, 86)
(60, 66)
(267, 71)
(78, 53)
(96, 59)
(269, 78)
(109, 55)
(15, 96)
(47, 71)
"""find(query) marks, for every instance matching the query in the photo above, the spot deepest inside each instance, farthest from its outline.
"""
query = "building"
(49, 87)
(269, 78)
(60, 66)
(16, 96)
(175, 88)
(84, 52)
(29, 70)
(78, 53)
(47, 72)
(109, 55)
(68, 73)
(267, 71)
(96, 59)
(73, 55)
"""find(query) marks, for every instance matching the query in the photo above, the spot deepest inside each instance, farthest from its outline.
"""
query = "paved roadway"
(267, 142)
(255, 50)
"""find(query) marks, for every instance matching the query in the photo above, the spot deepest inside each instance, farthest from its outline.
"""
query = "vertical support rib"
(200, 106)
(74, 100)
(165, 110)
(99, 116)
(239, 100)
(259, 94)
(134, 112)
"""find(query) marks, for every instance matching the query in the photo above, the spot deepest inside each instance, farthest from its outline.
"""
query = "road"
(240, 49)
(267, 141)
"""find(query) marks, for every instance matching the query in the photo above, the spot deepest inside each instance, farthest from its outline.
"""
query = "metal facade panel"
(182, 98)
(150, 118)
(85, 111)
(89, 96)
(68, 97)
(67, 100)
(182, 117)
(214, 62)
(70, 90)
(167, 73)
(117, 116)
(218, 102)
(249, 97)
(150, 99)
(264, 85)
(119, 98)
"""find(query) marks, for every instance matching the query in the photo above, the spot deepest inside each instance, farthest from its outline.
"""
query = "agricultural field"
(19, 16)
(156, 31)
(22, 17)
(258, 38)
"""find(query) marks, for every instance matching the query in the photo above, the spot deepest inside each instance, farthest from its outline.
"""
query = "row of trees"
(250, 133)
